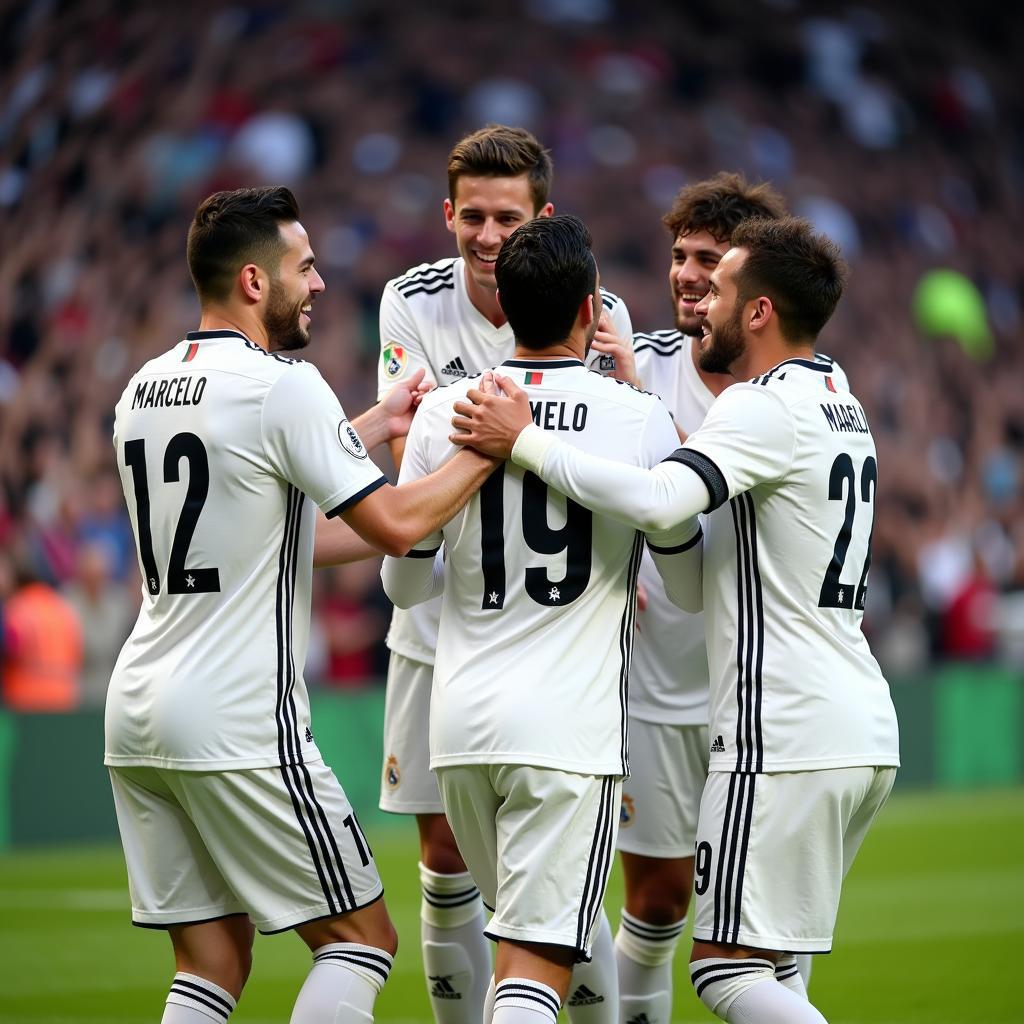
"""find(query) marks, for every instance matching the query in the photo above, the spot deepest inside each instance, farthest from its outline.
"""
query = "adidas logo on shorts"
(583, 996)
(456, 368)
(718, 747)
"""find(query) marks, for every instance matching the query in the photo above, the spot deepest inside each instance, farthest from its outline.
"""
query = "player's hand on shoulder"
(608, 343)
(492, 416)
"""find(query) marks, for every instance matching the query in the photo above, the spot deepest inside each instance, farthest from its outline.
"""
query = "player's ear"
(588, 310)
(761, 313)
(497, 297)
(547, 210)
(449, 215)
(253, 282)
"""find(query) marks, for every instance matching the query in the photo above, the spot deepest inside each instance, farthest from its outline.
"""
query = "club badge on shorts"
(350, 440)
(627, 811)
(392, 776)
(395, 360)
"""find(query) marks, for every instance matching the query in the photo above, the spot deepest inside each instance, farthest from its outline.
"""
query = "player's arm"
(394, 519)
(416, 578)
(680, 563)
(649, 499)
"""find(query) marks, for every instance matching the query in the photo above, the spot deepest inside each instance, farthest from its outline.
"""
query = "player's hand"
(491, 422)
(608, 343)
(399, 404)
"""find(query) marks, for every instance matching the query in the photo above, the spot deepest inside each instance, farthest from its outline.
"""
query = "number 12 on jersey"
(179, 579)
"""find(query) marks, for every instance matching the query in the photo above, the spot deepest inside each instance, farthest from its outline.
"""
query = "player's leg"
(291, 846)
(175, 884)
(554, 835)
(768, 874)
(531, 982)
(456, 954)
(658, 827)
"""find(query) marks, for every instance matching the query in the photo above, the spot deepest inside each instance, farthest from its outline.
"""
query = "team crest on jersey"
(392, 776)
(395, 360)
(606, 363)
(627, 811)
(350, 440)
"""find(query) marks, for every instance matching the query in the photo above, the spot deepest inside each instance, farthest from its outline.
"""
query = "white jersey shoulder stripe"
(659, 343)
(609, 299)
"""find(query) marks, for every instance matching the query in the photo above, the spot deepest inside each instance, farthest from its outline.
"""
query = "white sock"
(594, 989)
(456, 953)
(804, 963)
(522, 1001)
(195, 1000)
(788, 973)
(768, 1002)
(489, 1002)
(342, 984)
(644, 953)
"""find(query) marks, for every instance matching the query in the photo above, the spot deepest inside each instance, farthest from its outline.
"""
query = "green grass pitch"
(931, 926)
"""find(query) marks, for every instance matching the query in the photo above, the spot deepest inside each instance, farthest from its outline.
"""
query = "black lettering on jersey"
(176, 391)
(553, 416)
(845, 419)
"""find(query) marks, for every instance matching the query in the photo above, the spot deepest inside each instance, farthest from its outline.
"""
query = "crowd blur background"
(897, 127)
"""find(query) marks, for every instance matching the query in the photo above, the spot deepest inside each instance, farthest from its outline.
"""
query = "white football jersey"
(669, 678)
(539, 593)
(794, 685)
(218, 444)
(427, 320)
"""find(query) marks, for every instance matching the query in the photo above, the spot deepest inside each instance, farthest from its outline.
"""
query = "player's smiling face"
(292, 292)
(720, 315)
(485, 212)
(694, 256)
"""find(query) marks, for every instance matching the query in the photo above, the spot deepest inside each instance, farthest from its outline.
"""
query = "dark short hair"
(801, 272)
(231, 229)
(497, 151)
(545, 270)
(719, 204)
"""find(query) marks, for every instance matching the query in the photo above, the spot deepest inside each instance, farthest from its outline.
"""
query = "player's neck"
(229, 320)
(572, 348)
(485, 301)
(760, 358)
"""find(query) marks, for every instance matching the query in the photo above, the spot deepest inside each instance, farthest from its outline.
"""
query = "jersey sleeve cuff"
(531, 446)
(354, 499)
(677, 540)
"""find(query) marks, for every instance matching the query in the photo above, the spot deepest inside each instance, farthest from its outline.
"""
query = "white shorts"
(408, 786)
(539, 844)
(279, 844)
(772, 852)
(668, 766)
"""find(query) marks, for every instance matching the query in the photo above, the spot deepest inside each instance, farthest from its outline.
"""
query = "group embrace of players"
(564, 471)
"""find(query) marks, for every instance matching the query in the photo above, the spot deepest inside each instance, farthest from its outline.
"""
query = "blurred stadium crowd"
(897, 128)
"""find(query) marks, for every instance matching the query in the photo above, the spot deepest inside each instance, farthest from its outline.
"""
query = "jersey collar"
(208, 335)
(542, 364)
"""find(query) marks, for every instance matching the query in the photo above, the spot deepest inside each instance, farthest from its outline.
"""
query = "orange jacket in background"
(42, 655)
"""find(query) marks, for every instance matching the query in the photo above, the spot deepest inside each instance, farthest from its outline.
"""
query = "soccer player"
(445, 318)
(804, 743)
(668, 679)
(229, 817)
(528, 711)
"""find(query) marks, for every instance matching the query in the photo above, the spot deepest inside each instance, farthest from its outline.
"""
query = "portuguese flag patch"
(532, 377)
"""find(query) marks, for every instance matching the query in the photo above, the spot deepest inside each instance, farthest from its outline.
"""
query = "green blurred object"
(947, 304)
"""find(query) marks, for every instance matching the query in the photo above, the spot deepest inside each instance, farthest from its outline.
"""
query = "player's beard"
(723, 346)
(282, 321)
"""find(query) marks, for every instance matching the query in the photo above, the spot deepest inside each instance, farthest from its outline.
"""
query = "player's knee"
(438, 849)
(719, 980)
(660, 908)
